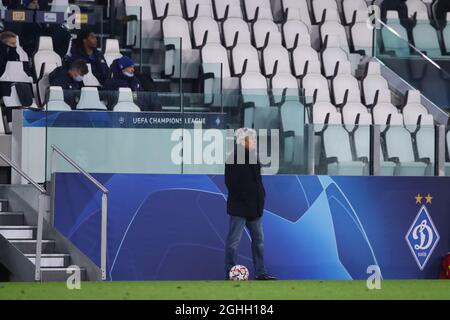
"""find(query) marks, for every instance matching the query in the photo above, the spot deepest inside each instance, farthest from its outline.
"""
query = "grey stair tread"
(11, 212)
(60, 269)
(30, 241)
(48, 255)
(17, 227)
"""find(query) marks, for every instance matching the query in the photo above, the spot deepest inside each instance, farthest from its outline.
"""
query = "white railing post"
(104, 235)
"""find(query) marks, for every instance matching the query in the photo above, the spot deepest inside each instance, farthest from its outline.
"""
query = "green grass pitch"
(230, 290)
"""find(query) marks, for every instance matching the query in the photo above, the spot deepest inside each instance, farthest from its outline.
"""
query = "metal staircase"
(31, 249)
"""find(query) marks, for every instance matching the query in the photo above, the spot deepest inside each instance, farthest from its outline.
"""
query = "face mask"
(78, 78)
(128, 74)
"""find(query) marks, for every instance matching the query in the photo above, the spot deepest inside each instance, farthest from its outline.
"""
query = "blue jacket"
(146, 100)
(98, 63)
(119, 80)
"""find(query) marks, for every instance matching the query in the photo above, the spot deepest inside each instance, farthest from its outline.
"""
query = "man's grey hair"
(243, 133)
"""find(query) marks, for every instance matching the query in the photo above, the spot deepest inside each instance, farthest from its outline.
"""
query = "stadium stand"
(319, 54)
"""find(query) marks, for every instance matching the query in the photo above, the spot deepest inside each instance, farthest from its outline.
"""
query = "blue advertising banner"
(135, 120)
(173, 227)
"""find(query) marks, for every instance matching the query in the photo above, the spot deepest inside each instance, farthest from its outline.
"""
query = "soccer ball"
(239, 273)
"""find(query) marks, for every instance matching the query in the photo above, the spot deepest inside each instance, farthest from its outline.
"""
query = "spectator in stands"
(84, 47)
(124, 76)
(8, 52)
(69, 79)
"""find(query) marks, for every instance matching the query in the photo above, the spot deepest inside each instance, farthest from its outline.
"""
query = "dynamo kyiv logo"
(422, 237)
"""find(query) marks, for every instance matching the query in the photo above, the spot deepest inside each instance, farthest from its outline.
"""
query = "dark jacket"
(119, 80)
(98, 63)
(7, 54)
(246, 192)
(146, 100)
(60, 78)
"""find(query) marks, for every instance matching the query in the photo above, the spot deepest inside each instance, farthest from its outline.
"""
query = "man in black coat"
(245, 203)
(71, 80)
(84, 47)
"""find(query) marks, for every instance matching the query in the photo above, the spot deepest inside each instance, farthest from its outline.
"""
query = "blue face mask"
(78, 78)
(128, 74)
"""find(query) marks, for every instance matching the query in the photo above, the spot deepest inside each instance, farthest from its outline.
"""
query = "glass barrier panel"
(407, 150)
(423, 64)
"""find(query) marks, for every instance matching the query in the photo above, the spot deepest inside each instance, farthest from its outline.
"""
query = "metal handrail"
(81, 170)
(41, 210)
(55, 151)
(23, 174)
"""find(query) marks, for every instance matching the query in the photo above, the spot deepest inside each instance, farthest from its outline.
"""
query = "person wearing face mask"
(84, 47)
(71, 80)
(8, 52)
(124, 76)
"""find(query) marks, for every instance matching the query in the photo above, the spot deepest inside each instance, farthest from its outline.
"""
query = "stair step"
(12, 218)
(18, 232)
(29, 246)
(51, 260)
(60, 274)
(4, 205)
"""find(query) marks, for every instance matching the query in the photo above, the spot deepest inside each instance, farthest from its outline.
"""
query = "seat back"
(254, 89)
(414, 109)
(345, 84)
(175, 27)
(14, 72)
(293, 29)
(350, 7)
(276, 54)
(56, 100)
(89, 79)
(399, 144)
(296, 10)
(303, 54)
(332, 55)
(336, 142)
(112, 51)
(174, 7)
(204, 8)
(244, 52)
(231, 26)
(398, 43)
(373, 82)
(45, 54)
(214, 53)
(260, 30)
(125, 102)
(234, 8)
(362, 37)
(201, 25)
(89, 99)
(264, 9)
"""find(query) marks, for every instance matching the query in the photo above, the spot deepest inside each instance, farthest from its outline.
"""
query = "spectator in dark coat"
(124, 76)
(8, 52)
(84, 47)
(71, 80)
(245, 202)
